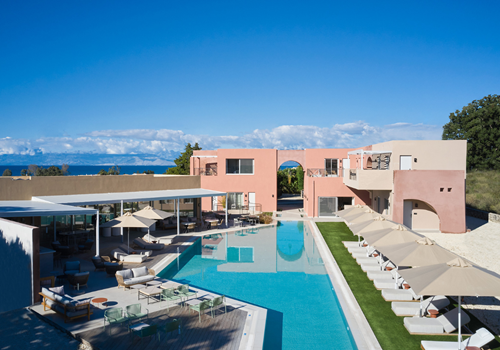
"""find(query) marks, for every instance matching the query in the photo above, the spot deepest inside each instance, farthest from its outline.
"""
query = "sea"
(94, 169)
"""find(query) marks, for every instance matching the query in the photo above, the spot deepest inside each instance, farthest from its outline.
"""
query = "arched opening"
(420, 215)
(369, 163)
(290, 183)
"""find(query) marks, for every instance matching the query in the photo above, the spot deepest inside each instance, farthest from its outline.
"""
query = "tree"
(300, 178)
(183, 161)
(7, 172)
(114, 170)
(479, 124)
(102, 172)
(51, 171)
(148, 172)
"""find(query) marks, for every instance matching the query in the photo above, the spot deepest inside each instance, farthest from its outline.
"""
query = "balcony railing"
(323, 173)
(255, 208)
(353, 174)
(212, 171)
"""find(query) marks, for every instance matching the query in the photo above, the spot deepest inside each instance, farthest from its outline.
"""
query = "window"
(331, 167)
(234, 200)
(239, 166)
(188, 200)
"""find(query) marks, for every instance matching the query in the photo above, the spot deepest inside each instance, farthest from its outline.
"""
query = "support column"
(178, 218)
(226, 210)
(97, 235)
(55, 235)
(121, 214)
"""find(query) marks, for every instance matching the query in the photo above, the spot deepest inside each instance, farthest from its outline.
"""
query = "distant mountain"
(86, 159)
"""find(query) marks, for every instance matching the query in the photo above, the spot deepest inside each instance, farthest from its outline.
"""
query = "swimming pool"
(278, 268)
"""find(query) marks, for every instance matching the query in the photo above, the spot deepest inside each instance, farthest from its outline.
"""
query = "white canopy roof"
(140, 196)
(359, 151)
(9, 209)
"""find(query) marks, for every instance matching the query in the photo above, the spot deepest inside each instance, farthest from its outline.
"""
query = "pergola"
(68, 204)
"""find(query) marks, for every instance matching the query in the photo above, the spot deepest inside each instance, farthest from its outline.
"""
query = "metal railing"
(212, 171)
(353, 174)
(255, 208)
(312, 172)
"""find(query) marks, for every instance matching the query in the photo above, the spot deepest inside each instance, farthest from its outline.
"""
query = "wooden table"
(101, 301)
(149, 292)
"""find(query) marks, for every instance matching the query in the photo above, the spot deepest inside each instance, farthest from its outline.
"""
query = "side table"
(101, 301)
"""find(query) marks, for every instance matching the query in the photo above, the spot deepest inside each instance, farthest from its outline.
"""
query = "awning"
(117, 197)
(10, 209)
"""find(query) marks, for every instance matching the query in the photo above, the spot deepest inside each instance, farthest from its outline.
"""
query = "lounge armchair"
(135, 312)
(128, 258)
(169, 295)
(86, 246)
(148, 246)
(78, 280)
(478, 339)
(114, 316)
(446, 323)
(113, 267)
(200, 308)
(402, 308)
(98, 263)
(71, 267)
(129, 277)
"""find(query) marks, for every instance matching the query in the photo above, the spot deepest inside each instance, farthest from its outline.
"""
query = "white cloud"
(166, 142)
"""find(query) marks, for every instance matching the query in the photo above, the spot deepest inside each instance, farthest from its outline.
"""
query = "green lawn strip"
(388, 327)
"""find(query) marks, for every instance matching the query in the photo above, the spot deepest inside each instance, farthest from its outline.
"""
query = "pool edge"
(360, 329)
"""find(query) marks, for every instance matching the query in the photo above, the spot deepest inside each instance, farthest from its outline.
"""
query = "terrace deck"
(222, 332)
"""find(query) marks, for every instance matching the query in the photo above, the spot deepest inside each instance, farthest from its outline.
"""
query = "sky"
(95, 79)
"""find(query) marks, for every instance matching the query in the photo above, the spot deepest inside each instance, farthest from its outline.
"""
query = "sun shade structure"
(153, 214)
(357, 213)
(388, 236)
(421, 252)
(456, 277)
(368, 215)
(129, 220)
(9, 209)
(353, 209)
(378, 223)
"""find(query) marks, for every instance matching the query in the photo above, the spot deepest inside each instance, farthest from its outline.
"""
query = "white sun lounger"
(379, 275)
(126, 249)
(371, 267)
(349, 244)
(368, 261)
(365, 254)
(402, 308)
(391, 294)
(446, 323)
(478, 339)
(385, 283)
(132, 258)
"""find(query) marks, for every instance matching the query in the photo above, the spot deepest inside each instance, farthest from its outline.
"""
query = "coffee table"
(153, 283)
(101, 301)
(137, 327)
(136, 287)
(149, 292)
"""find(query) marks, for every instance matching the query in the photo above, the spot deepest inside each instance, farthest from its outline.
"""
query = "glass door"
(327, 206)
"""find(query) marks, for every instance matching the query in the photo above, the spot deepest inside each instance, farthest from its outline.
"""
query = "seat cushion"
(390, 294)
(423, 325)
(137, 280)
(140, 271)
(126, 274)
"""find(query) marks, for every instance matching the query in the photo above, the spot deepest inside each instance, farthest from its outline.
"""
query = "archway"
(290, 182)
(420, 215)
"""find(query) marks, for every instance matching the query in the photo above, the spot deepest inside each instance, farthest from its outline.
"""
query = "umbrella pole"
(128, 240)
(421, 301)
(381, 267)
(459, 321)
(149, 238)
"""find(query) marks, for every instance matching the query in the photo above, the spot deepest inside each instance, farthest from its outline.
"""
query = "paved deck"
(222, 332)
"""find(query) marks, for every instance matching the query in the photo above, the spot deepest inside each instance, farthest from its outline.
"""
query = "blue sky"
(120, 77)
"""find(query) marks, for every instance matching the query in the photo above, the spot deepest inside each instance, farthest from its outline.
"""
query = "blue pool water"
(278, 268)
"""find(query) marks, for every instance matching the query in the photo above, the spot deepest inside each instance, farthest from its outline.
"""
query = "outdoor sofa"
(149, 246)
(65, 305)
(120, 255)
(445, 323)
(130, 277)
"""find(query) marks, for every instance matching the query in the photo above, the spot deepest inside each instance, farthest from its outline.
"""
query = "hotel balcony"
(323, 173)
(368, 179)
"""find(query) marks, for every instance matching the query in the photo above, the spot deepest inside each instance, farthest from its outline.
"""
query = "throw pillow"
(58, 290)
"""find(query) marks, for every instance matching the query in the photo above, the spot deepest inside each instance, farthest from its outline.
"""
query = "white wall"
(16, 261)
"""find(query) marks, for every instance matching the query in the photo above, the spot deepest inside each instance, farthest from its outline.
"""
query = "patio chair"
(478, 339)
(114, 316)
(221, 224)
(146, 331)
(184, 291)
(169, 295)
(78, 280)
(172, 326)
(216, 303)
(112, 267)
(71, 267)
(98, 263)
(86, 246)
(135, 312)
(445, 323)
(200, 308)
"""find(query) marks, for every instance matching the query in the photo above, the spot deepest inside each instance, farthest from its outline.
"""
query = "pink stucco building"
(418, 183)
